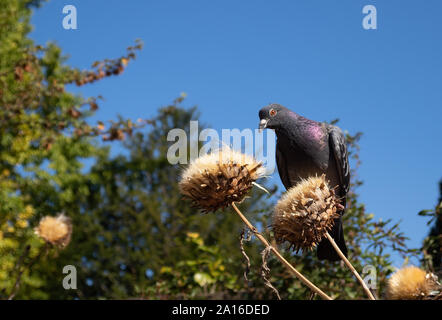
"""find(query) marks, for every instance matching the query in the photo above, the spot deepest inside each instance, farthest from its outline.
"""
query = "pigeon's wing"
(339, 148)
(281, 162)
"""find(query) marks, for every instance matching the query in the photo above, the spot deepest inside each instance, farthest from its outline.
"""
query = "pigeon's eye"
(272, 112)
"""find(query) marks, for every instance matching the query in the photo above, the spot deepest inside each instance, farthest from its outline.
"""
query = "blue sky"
(314, 57)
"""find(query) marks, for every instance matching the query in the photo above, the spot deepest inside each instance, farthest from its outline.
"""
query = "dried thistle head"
(305, 213)
(55, 230)
(411, 283)
(215, 180)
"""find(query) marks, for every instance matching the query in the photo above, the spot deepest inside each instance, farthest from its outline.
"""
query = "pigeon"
(307, 148)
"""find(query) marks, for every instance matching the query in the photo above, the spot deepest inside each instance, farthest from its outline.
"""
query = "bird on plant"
(308, 148)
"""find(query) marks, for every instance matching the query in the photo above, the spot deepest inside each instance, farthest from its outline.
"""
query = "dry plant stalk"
(305, 214)
(220, 179)
(265, 271)
(279, 256)
(412, 283)
(245, 236)
(42, 251)
(350, 266)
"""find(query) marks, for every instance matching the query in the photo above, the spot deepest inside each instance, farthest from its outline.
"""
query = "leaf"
(203, 279)
(166, 270)
(426, 213)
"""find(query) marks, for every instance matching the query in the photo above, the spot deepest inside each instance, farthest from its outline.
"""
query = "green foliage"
(207, 273)
(33, 104)
(44, 140)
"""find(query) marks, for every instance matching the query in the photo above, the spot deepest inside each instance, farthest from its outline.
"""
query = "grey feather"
(339, 147)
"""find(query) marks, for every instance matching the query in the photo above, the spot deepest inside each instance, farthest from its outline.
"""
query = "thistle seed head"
(305, 213)
(411, 283)
(215, 180)
(55, 230)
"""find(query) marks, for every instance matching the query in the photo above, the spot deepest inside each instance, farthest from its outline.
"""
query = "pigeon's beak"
(263, 124)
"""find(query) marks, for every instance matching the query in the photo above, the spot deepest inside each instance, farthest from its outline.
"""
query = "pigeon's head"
(272, 116)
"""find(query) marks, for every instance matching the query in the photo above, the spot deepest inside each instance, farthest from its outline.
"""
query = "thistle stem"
(279, 256)
(350, 266)
(20, 272)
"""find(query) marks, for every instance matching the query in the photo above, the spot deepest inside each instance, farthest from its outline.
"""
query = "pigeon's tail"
(325, 249)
